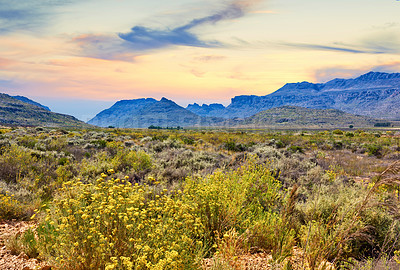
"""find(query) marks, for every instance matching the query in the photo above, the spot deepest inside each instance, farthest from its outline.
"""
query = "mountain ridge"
(374, 94)
(15, 112)
(142, 113)
(294, 116)
(30, 101)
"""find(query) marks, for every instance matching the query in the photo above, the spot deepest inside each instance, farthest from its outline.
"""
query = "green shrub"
(100, 143)
(125, 161)
(271, 234)
(25, 242)
(27, 141)
(374, 150)
(233, 146)
(337, 132)
(187, 140)
(238, 199)
(383, 124)
(16, 163)
(295, 149)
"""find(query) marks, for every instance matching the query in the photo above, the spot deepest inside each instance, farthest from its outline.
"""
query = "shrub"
(233, 146)
(187, 140)
(271, 234)
(116, 225)
(295, 149)
(100, 143)
(27, 141)
(124, 161)
(342, 222)
(25, 242)
(174, 165)
(383, 124)
(238, 200)
(374, 150)
(337, 132)
(10, 208)
(15, 163)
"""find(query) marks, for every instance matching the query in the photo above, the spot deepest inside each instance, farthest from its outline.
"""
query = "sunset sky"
(81, 56)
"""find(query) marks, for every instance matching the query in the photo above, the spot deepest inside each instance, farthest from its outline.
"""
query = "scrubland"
(173, 199)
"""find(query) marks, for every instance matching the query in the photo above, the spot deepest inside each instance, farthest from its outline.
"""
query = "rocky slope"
(19, 113)
(374, 94)
(142, 113)
(292, 116)
(30, 101)
(206, 110)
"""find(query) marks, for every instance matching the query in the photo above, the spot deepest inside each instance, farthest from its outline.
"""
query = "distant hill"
(142, 113)
(373, 94)
(293, 116)
(206, 110)
(13, 111)
(117, 114)
(30, 101)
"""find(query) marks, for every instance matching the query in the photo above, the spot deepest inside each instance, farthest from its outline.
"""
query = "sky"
(81, 56)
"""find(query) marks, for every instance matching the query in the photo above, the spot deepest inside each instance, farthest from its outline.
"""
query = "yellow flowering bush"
(114, 224)
(9, 207)
(16, 163)
(123, 161)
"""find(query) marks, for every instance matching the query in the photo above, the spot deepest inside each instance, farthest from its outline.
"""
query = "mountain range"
(375, 94)
(144, 112)
(30, 101)
(339, 102)
(21, 111)
(300, 117)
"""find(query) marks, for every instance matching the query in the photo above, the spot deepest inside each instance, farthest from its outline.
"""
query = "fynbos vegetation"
(193, 199)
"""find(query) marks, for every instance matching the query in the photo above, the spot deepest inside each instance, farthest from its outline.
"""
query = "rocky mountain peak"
(378, 76)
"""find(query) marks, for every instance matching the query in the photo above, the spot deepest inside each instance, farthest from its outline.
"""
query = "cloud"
(329, 73)
(342, 48)
(388, 67)
(27, 15)
(238, 75)
(127, 46)
(7, 85)
(143, 38)
(264, 12)
(4, 62)
(384, 39)
(197, 73)
(103, 47)
(209, 58)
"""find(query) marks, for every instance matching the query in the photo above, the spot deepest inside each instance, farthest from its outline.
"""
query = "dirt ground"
(9, 261)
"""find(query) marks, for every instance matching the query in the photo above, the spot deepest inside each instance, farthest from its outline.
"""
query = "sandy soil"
(9, 261)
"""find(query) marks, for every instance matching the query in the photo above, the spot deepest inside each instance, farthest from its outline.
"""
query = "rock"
(22, 255)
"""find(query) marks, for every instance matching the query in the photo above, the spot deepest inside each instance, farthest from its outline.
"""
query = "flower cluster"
(114, 224)
(9, 207)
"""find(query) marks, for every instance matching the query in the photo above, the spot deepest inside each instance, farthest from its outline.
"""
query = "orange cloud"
(4, 62)
(264, 12)
(209, 58)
